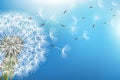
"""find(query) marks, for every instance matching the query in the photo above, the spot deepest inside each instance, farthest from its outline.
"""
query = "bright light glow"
(115, 30)
(53, 9)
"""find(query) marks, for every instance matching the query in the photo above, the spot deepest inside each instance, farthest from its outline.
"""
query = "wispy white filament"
(34, 40)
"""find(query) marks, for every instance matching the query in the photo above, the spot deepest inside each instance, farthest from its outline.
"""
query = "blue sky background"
(95, 59)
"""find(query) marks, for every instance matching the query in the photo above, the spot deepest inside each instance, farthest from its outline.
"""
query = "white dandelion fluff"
(96, 18)
(85, 35)
(52, 34)
(73, 29)
(100, 3)
(65, 50)
(22, 44)
(75, 20)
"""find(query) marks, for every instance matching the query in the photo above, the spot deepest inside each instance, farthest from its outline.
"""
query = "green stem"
(0, 78)
(5, 76)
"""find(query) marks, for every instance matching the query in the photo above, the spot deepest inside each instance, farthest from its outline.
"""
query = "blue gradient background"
(95, 59)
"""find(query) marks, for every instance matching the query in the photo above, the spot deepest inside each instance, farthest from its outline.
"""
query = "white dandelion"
(22, 44)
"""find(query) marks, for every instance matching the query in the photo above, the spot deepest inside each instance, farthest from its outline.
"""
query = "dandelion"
(22, 45)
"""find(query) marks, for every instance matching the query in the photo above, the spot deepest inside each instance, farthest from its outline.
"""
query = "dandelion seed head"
(12, 45)
(23, 37)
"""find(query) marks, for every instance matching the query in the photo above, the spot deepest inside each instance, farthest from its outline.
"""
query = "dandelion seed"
(42, 24)
(73, 29)
(91, 7)
(105, 22)
(100, 3)
(65, 50)
(85, 35)
(41, 13)
(76, 38)
(63, 25)
(52, 45)
(75, 20)
(52, 34)
(111, 9)
(93, 26)
(30, 18)
(65, 11)
(83, 17)
(114, 15)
